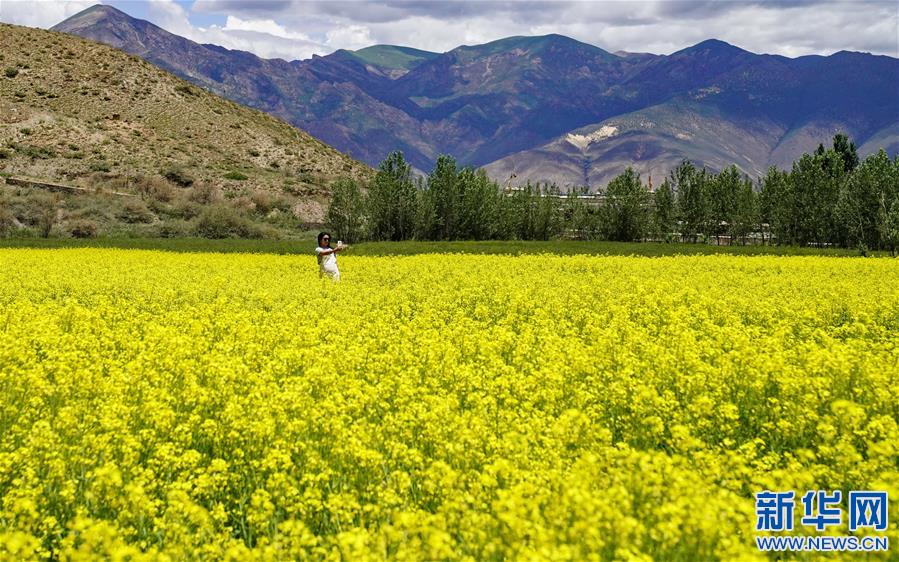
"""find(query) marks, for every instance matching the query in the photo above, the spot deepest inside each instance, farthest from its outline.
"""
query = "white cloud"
(45, 13)
(350, 37)
(171, 17)
(263, 37)
(269, 27)
(294, 29)
(787, 27)
(264, 45)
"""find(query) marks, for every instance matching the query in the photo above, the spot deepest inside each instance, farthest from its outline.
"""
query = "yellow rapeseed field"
(437, 407)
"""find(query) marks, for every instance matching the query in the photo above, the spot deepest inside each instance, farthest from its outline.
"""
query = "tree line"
(828, 198)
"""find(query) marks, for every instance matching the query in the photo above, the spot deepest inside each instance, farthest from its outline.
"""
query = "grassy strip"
(306, 244)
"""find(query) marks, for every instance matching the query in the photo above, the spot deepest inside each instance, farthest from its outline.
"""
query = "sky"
(298, 29)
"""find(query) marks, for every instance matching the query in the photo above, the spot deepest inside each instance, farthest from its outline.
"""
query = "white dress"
(327, 263)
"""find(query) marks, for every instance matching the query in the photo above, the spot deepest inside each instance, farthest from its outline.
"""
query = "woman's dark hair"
(322, 235)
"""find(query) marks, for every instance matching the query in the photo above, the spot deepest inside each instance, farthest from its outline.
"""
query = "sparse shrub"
(222, 221)
(155, 189)
(174, 229)
(100, 166)
(243, 204)
(186, 89)
(235, 175)
(8, 222)
(205, 193)
(291, 188)
(253, 152)
(83, 228)
(267, 202)
(178, 176)
(34, 152)
(134, 212)
(41, 212)
(11, 72)
(26, 131)
(262, 202)
(185, 209)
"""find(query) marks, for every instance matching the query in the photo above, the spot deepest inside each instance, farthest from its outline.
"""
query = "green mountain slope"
(393, 60)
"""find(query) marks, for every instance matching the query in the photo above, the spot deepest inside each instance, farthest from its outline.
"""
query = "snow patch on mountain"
(583, 141)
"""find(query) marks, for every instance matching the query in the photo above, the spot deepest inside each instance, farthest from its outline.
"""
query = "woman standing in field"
(327, 256)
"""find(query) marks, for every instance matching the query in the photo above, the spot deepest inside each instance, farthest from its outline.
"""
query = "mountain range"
(546, 108)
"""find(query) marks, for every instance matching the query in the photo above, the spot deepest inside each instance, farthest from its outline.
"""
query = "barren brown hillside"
(81, 113)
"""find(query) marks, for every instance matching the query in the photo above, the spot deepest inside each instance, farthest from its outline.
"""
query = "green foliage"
(865, 200)
(815, 186)
(392, 200)
(846, 149)
(532, 213)
(626, 207)
(477, 205)
(888, 225)
(235, 175)
(575, 216)
(745, 219)
(777, 202)
(691, 186)
(733, 209)
(346, 214)
(664, 212)
(444, 198)
(547, 216)
(10, 72)
(426, 215)
(828, 198)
